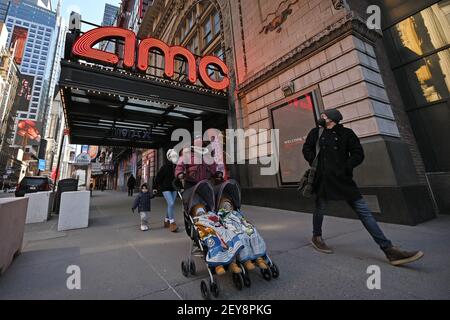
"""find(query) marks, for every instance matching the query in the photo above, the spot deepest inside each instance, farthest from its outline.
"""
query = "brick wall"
(348, 78)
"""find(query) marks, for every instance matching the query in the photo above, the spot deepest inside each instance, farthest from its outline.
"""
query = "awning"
(114, 107)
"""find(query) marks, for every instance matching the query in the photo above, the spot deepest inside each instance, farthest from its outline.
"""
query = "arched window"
(199, 31)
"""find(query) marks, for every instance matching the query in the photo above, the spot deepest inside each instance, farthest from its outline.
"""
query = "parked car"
(33, 184)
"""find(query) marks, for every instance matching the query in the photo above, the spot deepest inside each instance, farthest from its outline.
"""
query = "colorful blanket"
(254, 245)
(223, 244)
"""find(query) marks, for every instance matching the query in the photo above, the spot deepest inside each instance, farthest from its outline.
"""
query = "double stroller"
(209, 197)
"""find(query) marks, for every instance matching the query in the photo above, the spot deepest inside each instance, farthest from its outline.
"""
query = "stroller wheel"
(185, 268)
(247, 281)
(275, 271)
(238, 281)
(205, 291)
(266, 273)
(214, 288)
(192, 268)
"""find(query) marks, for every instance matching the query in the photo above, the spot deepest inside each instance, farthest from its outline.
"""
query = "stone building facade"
(289, 60)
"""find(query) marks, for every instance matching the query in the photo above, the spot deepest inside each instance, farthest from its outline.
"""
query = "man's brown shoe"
(399, 257)
(320, 245)
(173, 227)
(166, 224)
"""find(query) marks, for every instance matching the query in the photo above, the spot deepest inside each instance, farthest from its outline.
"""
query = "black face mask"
(322, 123)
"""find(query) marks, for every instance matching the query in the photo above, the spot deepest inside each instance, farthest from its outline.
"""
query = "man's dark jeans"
(130, 192)
(364, 214)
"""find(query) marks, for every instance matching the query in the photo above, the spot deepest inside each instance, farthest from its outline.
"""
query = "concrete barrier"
(13, 212)
(74, 210)
(39, 206)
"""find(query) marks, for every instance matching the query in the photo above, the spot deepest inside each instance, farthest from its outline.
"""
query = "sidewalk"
(118, 261)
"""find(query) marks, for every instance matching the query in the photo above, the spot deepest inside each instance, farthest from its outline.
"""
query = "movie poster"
(19, 39)
(294, 120)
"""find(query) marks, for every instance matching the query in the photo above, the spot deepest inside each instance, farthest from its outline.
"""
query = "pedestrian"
(192, 167)
(91, 187)
(131, 184)
(340, 151)
(164, 182)
(143, 204)
(103, 184)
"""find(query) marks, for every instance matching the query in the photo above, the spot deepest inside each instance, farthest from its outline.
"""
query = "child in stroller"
(228, 204)
(222, 246)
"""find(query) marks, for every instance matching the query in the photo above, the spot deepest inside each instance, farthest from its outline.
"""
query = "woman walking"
(164, 183)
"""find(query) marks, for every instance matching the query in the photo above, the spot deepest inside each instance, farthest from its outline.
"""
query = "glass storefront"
(419, 52)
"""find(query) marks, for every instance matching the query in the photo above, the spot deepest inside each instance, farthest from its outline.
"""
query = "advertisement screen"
(28, 132)
(19, 39)
(24, 91)
(294, 120)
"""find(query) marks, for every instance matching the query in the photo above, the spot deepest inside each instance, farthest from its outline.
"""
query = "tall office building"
(109, 19)
(35, 31)
(109, 15)
(4, 5)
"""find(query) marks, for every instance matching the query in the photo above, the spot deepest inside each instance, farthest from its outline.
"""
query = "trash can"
(65, 185)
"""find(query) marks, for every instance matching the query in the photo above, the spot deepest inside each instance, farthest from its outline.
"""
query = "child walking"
(143, 204)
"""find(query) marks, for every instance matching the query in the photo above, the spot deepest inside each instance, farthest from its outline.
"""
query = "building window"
(413, 44)
(419, 53)
(207, 32)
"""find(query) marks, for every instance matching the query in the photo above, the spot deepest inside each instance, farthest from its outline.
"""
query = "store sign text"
(141, 135)
(84, 47)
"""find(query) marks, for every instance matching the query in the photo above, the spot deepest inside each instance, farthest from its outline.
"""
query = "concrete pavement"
(118, 261)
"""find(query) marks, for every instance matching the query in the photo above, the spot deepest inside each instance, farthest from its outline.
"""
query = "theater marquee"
(136, 54)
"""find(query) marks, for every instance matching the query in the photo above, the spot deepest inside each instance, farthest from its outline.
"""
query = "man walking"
(131, 184)
(340, 152)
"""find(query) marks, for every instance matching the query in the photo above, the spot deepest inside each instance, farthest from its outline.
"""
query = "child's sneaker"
(220, 270)
(249, 265)
(144, 227)
(261, 263)
(173, 227)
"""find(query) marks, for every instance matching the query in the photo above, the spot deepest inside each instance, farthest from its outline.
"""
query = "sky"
(90, 10)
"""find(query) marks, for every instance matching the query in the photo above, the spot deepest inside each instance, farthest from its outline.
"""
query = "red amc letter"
(206, 79)
(169, 53)
(83, 47)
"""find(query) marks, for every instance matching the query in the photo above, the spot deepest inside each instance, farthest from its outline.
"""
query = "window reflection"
(429, 78)
(424, 32)
(416, 39)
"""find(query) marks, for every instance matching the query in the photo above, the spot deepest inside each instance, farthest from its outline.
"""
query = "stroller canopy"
(202, 193)
(231, 190)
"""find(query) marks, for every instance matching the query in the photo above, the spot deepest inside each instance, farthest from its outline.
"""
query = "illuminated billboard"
(23, 93)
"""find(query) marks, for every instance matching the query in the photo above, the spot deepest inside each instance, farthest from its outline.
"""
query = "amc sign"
(83, 47)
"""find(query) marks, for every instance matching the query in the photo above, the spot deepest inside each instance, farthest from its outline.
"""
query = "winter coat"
(164, 178)
(340, 152)
(131, 183)
(195, 172)
(143, 202)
